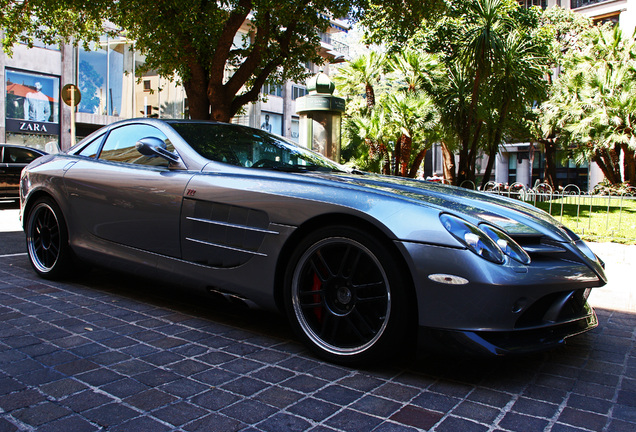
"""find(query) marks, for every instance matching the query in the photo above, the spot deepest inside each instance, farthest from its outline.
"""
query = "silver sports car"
(362, 265)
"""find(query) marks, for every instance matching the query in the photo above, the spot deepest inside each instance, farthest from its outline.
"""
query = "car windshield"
(251, 148)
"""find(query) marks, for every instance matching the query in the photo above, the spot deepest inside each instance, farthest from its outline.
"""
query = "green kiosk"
(320, 116)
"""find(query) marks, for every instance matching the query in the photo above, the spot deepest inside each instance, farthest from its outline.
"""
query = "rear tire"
(47, 240)
(346, 297)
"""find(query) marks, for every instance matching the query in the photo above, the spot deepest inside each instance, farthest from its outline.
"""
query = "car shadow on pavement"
(453, 366)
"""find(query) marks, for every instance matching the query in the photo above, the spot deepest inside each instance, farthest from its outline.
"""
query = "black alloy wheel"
(345, 296)
(47, 239)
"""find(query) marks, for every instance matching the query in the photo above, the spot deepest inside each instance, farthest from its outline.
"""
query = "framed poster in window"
(32, 103)
(272, 123)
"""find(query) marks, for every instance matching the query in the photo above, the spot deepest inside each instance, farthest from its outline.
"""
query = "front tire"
(47, 240)
(346, 297)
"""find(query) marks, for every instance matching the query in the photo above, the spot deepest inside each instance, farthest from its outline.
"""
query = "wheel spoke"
(350, 262)
(364, 326)
(356, 329)
(320, 266)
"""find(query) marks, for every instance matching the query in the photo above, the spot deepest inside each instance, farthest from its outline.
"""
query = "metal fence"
(598, 215)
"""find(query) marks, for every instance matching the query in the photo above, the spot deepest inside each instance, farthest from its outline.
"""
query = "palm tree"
(481, 48)
(593, 103)
(360, 76)
(517, 84)
(411, 116)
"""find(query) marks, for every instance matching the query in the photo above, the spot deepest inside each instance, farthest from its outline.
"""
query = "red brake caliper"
(316, 297)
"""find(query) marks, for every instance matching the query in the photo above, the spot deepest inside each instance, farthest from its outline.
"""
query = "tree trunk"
(607, 160)
(405, 154)
(549, 173)
(449, 165)
(629, 165)
(370, 92)
(416, 164)
(492, 156)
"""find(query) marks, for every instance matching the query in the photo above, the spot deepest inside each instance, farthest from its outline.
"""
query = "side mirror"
(152, 146)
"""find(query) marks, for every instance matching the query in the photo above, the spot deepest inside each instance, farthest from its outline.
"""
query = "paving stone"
(282, 422)
(249, 411)
(215, 399)
(314, 409)
(74, 423)
(376, 406)
(417, 417)
(214, 422)
(110, 414)
(278, 397)
(150, 399)
(140, 424)
(41, 413)
(522, 423)
(179, 413)
(353, 421)
(453, 424)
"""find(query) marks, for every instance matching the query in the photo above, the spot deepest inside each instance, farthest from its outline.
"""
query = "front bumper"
(498, 309)
(505, 343)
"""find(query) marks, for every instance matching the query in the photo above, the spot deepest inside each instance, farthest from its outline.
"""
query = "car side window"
(91, 149)
(19, 155)
(120, 145)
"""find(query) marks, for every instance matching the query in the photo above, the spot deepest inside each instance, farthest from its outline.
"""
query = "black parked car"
(13, 158)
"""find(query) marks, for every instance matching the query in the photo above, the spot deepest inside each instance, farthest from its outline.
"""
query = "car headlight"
(473, 238)
(506, 244)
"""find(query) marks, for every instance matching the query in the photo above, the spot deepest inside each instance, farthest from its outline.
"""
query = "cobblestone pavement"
(110, 352)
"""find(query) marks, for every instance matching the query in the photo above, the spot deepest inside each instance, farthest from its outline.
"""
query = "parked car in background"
(363, 265)
(13, 158)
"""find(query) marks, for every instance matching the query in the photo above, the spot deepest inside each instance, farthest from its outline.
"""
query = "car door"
(125, 197)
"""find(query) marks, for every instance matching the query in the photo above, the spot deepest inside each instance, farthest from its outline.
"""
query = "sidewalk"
(619, 294)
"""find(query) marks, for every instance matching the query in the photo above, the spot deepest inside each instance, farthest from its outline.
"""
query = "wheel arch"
(347, 220)
(32, 199)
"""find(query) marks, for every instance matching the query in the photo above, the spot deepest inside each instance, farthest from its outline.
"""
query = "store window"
(32, 109)
(295, 128)
(272, 123)
(100, 77)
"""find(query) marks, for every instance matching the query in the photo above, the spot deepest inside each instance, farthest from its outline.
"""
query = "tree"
(392, 23)
(194, 41)
(565, 29)
(360, 75)
(518, 83)
(395, 130)
(592, 108)
(482, 44)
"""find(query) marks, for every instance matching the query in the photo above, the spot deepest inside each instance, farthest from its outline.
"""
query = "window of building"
(298, 91)
(272, 90)
(100, 73)
(612, 18)
(147, 85)
(529, 3)
(582, 3)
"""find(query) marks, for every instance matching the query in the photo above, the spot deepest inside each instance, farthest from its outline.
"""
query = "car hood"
(514, 216)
